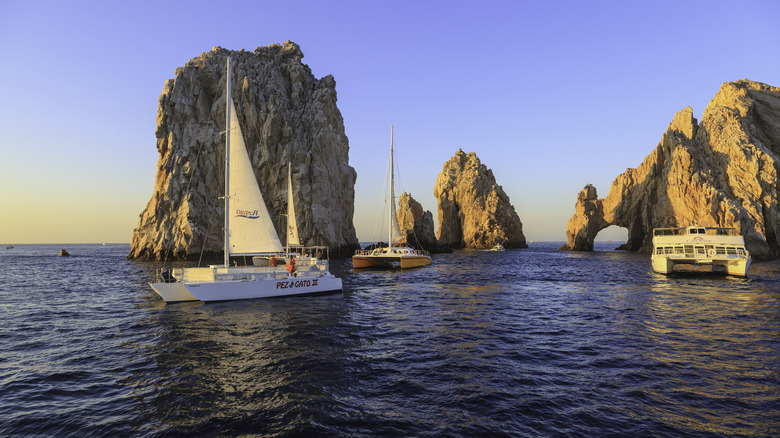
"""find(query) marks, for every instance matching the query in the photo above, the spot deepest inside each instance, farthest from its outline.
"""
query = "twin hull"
(734, 266)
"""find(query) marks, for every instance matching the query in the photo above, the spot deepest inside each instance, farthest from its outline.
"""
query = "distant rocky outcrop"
(474, 211)
(286, 115)
(416, 225)
(720, 172)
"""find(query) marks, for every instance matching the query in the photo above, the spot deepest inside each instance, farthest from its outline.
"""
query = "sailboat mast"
(392, 194)
(227, 167)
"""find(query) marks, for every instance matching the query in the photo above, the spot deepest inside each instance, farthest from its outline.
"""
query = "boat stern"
(662, 265)
(414, 262)
(740, 268)
(172, 292)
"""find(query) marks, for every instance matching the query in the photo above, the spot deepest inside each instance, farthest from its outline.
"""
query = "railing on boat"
(309, 260)
(682, 231)
(420, 252)
(699, 251)
(305, 268)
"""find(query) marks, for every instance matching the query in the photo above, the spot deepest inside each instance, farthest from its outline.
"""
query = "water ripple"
(534, 342)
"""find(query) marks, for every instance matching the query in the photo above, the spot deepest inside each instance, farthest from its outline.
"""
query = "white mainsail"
(292, 224)
(395, 230)
(250, 225)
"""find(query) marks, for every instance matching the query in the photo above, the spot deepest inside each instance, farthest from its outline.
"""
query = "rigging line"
(383, 205)
(280, 225)
(248, 104)
(401, 186)
(211, 200)
(397, 172)
(208, 228)
(201, 142)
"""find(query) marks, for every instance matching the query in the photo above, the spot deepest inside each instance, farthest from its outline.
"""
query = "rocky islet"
(720, 172)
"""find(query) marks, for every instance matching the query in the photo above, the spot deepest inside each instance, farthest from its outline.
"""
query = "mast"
(227, 167)
(392, 194)
(395, 231)
(289, 200)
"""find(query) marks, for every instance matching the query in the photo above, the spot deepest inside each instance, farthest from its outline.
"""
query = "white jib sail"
(292, 224)
(250, 227)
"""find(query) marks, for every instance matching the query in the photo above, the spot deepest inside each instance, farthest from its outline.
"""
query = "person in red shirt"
(291, 265)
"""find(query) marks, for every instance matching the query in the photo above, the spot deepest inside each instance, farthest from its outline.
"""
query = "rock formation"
(720, 172)
(474, 211)
(286, 115)
(416, 225)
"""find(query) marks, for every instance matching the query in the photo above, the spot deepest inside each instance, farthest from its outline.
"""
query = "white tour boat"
(250, 232)
(699, 246)
(395, 255)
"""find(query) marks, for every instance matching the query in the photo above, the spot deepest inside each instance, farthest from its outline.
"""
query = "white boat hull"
(172, 292)
(734, 266)
(246, 289)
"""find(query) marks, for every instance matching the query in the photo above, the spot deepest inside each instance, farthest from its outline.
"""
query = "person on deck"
(273, 260)
(291, 265)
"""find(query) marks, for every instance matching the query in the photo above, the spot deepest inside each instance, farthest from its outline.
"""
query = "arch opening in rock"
(612, 238)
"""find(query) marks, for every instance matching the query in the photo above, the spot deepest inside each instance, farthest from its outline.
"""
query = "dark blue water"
(532, 342)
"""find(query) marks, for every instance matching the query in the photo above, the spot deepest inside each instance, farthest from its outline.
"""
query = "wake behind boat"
(250, 232)
(699, 246)
(395, 255)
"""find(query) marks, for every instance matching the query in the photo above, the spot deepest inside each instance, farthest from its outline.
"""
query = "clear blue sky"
(550, 95)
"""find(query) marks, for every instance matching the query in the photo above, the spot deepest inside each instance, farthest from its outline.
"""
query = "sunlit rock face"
(720, 172)
(415, 224)
(286, 115)
(474, 211)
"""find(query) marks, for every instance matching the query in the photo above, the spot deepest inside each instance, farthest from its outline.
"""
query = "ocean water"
(532, 342)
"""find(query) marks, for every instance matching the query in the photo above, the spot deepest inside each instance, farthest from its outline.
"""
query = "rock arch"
(722, 172)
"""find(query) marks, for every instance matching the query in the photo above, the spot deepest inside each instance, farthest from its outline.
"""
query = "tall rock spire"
(474, 211)
(286, 114)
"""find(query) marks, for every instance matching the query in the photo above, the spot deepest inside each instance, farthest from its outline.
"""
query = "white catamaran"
(250, 232)
(394, 255)
(699, 246)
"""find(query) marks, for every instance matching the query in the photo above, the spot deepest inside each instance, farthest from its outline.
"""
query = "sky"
(551, 96)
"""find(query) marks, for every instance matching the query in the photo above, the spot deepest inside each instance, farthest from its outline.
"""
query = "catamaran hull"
(172, 292)
(242, 290)
(360, 262)
(665, 265)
